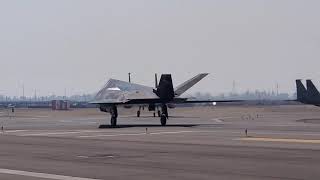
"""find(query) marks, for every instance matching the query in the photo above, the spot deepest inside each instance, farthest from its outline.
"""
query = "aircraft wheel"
(163, 120)
(114, 116)
(154, 114)
(113, 121)
(138, 113)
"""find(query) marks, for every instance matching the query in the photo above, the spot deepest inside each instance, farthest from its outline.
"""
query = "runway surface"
(283, 142)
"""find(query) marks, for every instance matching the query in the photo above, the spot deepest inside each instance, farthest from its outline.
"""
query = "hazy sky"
(80, 44)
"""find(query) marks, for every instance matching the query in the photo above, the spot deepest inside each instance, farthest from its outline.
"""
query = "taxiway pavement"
(283, 142)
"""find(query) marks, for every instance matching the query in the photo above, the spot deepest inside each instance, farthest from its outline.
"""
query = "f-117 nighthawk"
(121, 93)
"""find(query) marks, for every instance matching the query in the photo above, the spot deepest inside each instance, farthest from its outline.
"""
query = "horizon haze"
(50, 46)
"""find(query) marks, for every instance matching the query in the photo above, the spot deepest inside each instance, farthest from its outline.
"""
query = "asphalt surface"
(283, 142)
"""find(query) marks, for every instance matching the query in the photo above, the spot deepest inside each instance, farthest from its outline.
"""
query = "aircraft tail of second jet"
(312, 91)
(309, 95)
(301, 91)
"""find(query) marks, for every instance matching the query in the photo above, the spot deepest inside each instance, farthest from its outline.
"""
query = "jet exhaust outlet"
(165, 89)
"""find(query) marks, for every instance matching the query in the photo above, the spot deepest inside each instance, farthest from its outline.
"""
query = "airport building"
(60, 105)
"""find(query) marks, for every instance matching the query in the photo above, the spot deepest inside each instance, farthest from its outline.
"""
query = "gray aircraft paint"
(182, 88)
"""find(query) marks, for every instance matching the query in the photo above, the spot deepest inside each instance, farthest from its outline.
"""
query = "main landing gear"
(114, 116)
(155, 113)
(164, 115)
(139, 112)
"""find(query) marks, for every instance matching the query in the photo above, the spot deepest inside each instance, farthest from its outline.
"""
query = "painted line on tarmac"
(66, 121)
(173, 132)
(217, 120)
(141, 134)
(77, 120)
(283, 133)
(13, 131)
(228, 117)
(84, 157)
(39, 116)
(41, 175)
(222, 119)
(31, 118)
(88, 122)
(58, 133)
(312, 141)
(112, 135)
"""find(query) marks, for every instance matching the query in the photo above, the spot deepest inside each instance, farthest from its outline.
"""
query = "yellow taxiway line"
(286, 140)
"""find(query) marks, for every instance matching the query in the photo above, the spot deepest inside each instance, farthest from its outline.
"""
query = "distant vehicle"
(120, 93)
(8, 106)
(309, 95)
(5, 106)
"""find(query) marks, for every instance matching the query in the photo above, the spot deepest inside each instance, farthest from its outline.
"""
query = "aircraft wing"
(177, 101)
(107, 101)
(212, 101)
(121, 92)
(179, 90)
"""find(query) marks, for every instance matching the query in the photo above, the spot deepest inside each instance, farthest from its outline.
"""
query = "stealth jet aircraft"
(120, 93)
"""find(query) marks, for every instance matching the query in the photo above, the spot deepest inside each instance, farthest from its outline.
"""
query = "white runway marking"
(88, 122)
(174, 132)
(217, 120)
(65, 121)
(103, 133)
(29, 118)
(77, 120)
(59, 133)
(40, 116)
(141, 134)
(41, 175)
(228, 117)
(112, 135)
(85, 157)
(221, 119)
(48, 134)
(13, 131)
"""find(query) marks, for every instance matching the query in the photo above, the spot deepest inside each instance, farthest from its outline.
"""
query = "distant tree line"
(248, 95)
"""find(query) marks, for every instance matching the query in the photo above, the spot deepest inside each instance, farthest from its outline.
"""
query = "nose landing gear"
(164, 115)
(114, 116)
(163, 120)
